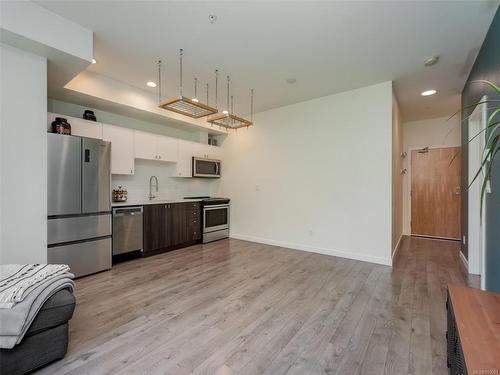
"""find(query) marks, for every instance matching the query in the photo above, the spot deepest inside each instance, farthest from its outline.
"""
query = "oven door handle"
(215, 206)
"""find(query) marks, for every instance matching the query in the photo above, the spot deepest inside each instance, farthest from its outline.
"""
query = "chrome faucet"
(151, 179)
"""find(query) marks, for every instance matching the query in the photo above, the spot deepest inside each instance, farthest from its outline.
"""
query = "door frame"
(476, 227)
(409, 152)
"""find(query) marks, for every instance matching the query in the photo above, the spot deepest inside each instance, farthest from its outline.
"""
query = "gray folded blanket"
(15, 321)
(18, 280)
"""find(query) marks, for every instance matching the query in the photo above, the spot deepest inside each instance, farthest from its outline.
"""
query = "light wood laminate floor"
(237, 307)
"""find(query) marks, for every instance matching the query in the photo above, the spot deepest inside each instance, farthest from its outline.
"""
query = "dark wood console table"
(473, 334)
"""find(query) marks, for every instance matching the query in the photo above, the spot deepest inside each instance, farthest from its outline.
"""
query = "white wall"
(37, 24)
(316, 175)
(438, 132)
(397, 177)
(168, 187)
(23, 162)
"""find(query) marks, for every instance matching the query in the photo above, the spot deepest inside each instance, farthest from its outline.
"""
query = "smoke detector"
(212, 18)
(431, 61)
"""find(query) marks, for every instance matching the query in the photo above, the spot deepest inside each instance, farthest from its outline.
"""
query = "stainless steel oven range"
(215, 219)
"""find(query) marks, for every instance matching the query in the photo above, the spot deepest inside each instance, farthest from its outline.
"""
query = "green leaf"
(495, 87)
(491, 149)
(472, 106)
(483, 130)
(490, 119)
(487, 178)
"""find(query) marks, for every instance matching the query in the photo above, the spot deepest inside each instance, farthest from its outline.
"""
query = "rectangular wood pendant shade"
(186, 106)
(229, 121)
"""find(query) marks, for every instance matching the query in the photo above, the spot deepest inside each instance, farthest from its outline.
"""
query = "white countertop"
(154, 201)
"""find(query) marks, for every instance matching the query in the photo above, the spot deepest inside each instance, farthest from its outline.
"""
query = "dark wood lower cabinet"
(171, 225)
(192, 217)
(178, 229)
(154, 222)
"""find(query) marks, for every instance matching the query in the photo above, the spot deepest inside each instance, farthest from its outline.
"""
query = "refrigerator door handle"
(96, 176)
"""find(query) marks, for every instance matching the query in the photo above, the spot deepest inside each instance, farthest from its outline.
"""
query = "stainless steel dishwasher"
(127, 229)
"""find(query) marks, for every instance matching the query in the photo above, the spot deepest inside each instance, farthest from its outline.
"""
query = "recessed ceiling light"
(291, 81)
(151, 84)
(428, 92)
(431, 61)
(225, 112)
(94, 61)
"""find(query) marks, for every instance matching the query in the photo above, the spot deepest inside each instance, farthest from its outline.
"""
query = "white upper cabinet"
(85, 128)
(122, 148)
(185, 155)
(197, 149)
(79, 126)
(214, 152)
(201, 150)
(154, 147)
(128, 145)
(145, 145)
(167, 148)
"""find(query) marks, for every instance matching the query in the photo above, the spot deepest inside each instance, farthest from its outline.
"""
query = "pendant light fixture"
(195, 99)
(184, 105)
(228, 119)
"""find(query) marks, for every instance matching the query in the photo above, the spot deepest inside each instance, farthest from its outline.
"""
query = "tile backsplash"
(137, 185)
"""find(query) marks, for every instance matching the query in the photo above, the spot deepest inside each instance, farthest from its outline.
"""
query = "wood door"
(435, 192)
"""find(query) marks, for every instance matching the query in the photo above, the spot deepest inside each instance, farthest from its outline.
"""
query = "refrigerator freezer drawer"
(83, 258)
(78, 228)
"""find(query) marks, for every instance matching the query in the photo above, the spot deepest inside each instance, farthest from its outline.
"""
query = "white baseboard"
(397, 247)
(313, 249)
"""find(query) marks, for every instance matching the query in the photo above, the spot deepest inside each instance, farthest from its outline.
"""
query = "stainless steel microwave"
(203, 167)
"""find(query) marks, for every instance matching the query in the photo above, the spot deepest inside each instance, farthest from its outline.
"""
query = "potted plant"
(491, 138)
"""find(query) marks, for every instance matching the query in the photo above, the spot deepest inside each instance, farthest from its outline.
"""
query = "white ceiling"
(329, 47)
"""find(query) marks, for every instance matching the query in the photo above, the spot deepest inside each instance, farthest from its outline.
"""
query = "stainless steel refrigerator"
(79, 203)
